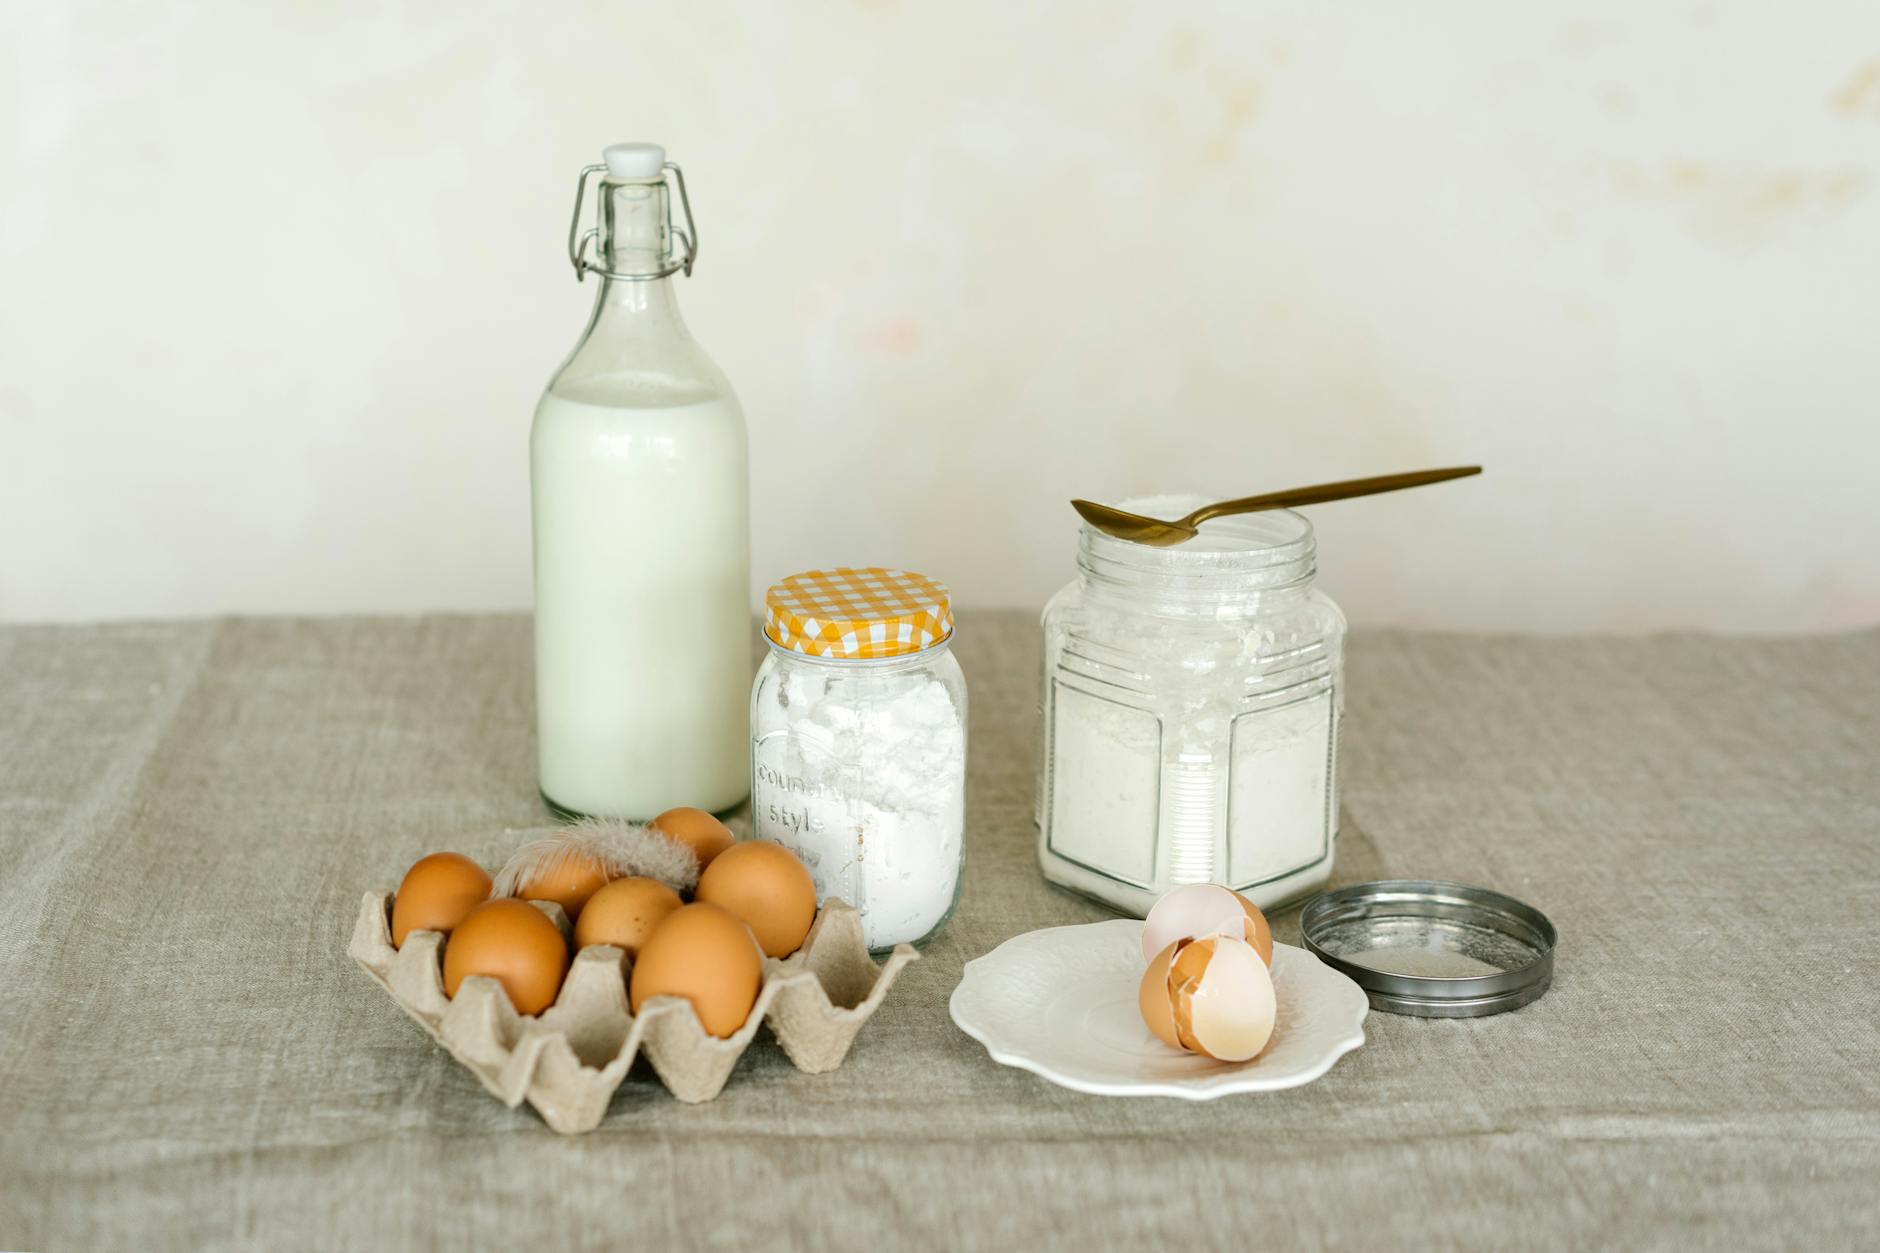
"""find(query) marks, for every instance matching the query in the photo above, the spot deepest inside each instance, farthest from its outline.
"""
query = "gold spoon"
(1159, 534)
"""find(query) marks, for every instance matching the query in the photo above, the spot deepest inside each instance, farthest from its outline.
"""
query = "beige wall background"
(280, 283)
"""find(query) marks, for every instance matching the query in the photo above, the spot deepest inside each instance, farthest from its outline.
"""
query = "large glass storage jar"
(1190, 712)
(858, 745)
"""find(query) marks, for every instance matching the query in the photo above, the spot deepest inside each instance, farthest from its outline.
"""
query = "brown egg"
(513, 942)
(706, 836)
(706, 955)
(624, 913)
(437, 892)
(766, 886)
(1212, 996)
(568, 881)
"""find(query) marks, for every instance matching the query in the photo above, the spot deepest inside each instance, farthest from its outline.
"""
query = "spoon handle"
(1319, 493)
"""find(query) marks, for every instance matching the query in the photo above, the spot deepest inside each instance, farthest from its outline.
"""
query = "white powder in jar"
(1187, 750)
(1209, 797)
(863, 775)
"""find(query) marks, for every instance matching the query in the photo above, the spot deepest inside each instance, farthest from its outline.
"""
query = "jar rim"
(1270, 549)
(940, 645)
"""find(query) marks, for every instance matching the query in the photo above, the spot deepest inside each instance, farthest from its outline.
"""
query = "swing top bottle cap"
(634, 160)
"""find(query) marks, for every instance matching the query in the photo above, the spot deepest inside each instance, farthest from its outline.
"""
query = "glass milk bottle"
(642, 530)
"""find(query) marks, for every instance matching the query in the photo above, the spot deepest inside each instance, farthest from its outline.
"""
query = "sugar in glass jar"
(1190, 714)
(858, 744)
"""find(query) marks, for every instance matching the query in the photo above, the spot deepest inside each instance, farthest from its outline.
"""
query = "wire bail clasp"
(578, 239)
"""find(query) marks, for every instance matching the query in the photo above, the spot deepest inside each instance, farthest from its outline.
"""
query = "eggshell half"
(1224, 1005)
(1153, 999)
(1195, 911)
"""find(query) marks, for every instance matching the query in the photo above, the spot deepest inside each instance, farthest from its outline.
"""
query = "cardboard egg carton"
(568, 1060)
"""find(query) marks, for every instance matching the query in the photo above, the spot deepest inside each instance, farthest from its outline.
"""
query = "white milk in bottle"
(642, 529)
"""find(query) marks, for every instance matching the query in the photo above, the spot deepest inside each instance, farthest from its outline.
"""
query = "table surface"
(190, 811)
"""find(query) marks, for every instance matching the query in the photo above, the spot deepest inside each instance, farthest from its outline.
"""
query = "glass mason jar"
(1190, 711)
(858, 745)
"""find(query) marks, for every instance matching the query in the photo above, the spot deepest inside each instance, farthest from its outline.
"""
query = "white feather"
(622, 848)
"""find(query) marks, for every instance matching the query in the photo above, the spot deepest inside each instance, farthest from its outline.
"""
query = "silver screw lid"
(1432, 948)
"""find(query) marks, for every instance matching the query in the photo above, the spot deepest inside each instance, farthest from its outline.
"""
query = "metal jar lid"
(1433, 949)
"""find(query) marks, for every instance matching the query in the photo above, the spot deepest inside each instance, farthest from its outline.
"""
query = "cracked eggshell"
(1212, 996)
(1153, 999)
(1198, 910)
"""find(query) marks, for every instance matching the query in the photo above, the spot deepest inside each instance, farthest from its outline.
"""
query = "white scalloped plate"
(1061, 1003)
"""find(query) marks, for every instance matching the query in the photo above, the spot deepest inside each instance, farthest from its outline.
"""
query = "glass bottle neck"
(636, 228)
(636, 239)
(636, 344)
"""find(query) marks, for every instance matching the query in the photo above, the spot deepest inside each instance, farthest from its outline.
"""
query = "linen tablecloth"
(190, 811)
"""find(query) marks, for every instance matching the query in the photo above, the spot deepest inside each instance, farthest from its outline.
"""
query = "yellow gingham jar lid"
(861, 614)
